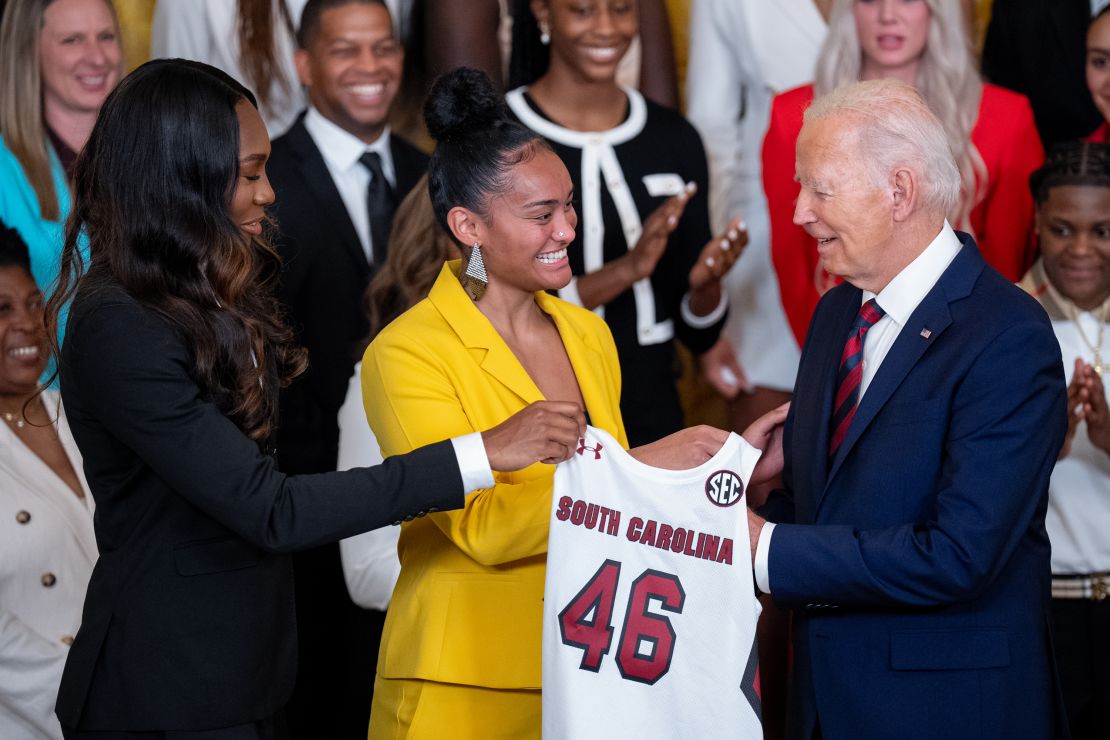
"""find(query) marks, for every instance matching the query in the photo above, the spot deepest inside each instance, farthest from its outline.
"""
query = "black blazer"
(1038, 48)
(189, 623)
(325, 276)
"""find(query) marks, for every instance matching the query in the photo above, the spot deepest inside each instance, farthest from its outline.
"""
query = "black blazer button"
(23, 517)
(49, 579)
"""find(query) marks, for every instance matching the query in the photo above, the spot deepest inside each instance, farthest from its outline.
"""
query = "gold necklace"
(1096, 348)
(15, 421)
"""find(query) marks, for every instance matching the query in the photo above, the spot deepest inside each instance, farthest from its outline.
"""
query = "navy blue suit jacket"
(922, 596)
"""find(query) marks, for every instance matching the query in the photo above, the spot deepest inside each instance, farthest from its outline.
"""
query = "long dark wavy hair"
(152, 192)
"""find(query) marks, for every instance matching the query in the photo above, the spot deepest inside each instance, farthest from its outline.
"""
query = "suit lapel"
(588, 362)
(933, 314)
(478, 335)
(317, 179)
(409, 165)
(498, 361)
(39, 480)
(828, 364)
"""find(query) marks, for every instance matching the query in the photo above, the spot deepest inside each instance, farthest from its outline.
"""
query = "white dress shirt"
(900, 298)
(341, 151)
(1078, 514)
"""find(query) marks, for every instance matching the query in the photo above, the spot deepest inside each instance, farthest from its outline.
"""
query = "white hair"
(947, 79)
(896, 128)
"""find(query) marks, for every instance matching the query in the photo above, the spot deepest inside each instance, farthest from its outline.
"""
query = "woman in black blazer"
(173, 356)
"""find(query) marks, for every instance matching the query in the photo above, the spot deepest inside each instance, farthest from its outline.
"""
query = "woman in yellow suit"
(460, 654)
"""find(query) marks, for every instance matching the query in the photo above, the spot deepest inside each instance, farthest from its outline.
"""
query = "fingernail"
(743, 226)
(671, 220)
(725, 244)
(691, 186)
(732, 234)
(710, 262)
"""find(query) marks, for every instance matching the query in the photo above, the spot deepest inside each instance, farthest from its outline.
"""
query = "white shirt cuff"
(701, 322)
(473, 462)
(762, 555)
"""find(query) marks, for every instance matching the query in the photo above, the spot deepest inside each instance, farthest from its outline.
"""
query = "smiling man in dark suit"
(338, 174)
(928, 412)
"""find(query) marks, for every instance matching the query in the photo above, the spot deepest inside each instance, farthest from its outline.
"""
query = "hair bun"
(461, 101)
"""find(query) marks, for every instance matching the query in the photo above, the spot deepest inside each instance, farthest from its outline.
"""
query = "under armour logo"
(583, 448)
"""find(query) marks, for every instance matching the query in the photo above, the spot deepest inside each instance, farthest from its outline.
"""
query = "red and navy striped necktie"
(851, 373)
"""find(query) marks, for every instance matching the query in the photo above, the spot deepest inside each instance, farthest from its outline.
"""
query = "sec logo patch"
(724, 488)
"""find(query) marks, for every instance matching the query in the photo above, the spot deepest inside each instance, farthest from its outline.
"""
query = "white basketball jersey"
(649, 604)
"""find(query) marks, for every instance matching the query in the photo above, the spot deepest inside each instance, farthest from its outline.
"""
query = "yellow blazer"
(468, 605)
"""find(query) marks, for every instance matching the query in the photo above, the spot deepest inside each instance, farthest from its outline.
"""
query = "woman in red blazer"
(924, 43)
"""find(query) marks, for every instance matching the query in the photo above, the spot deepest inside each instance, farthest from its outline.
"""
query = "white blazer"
(743, 53)
(370, 562)
(47, 553)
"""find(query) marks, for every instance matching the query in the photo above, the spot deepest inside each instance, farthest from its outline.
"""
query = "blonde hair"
(947, 80)
(21, 120)
(418, 247)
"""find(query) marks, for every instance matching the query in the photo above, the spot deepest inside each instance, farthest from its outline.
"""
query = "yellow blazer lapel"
(588, 362)
(478, 335)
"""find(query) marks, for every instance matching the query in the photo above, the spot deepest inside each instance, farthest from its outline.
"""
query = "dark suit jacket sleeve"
(133, 372)
(1005, 429)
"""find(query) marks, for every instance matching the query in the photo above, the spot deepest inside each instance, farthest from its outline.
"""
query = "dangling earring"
(474, 279)
(545, 33)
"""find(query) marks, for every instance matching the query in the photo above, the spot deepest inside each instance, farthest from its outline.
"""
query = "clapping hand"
(719, 255)
(1089, 405)
(657, 229)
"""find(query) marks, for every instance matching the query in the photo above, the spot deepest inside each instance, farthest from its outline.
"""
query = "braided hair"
(1072, 163)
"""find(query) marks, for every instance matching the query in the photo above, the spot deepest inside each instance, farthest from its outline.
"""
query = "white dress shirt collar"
(341, 149)
(904, 293)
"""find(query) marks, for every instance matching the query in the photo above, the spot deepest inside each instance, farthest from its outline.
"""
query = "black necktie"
(379, 205)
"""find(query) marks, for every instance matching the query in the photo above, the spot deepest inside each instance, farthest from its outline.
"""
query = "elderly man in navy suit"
(928, 412)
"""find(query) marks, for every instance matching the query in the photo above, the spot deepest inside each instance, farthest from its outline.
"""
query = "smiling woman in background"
(47, 547)
(59, 59)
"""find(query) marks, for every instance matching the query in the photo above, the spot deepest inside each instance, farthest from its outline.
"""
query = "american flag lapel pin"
(926, 333)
